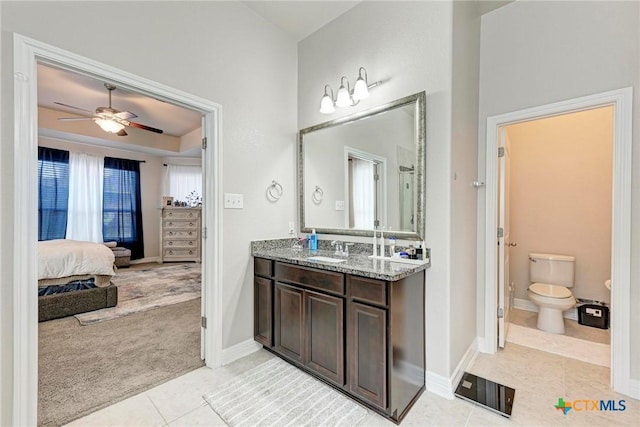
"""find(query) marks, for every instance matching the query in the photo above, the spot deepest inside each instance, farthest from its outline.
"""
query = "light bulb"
(343, 99)
(360, 89)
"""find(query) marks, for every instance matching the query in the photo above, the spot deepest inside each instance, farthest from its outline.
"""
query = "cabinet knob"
(190, 213)
(170, 243)
(191, 224)
(190, 252)
(170, 252)
(171, 233)
(170, 223)
(170, 213)
(190, 243)
(191, 233)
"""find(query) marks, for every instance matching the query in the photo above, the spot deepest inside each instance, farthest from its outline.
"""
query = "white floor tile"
(135, 411)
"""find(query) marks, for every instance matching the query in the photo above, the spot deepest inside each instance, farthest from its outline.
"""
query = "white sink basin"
(607, 284)
(325, 259)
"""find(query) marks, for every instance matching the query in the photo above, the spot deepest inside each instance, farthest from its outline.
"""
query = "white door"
(504, 243)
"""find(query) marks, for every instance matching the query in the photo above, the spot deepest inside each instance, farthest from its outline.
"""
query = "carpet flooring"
(276, 393)
(86, 368)
(143, 289)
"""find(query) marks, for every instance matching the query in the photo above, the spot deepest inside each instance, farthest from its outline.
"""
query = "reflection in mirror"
(370, 170)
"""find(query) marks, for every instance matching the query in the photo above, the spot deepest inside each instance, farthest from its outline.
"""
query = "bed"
(74, 277)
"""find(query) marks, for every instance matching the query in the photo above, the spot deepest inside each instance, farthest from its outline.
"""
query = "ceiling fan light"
(109, 125)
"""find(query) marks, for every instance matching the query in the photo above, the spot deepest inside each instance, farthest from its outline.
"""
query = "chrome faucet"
(338, 246)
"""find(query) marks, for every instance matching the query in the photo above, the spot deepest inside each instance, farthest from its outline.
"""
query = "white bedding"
(63, 258)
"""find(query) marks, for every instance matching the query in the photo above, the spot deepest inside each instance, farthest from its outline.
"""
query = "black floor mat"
(487, 394)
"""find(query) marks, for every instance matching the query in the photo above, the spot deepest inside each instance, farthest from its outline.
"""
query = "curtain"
(53, 193)
(182, 180)
(363, 193)
(84, 220)
(122, 205)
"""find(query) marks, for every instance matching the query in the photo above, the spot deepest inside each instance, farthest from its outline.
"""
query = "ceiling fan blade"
(139, 126)
(71, 106)
(73, 119)
(126, 115)
(122, 132)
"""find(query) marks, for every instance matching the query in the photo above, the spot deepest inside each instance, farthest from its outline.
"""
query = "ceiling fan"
(108, 118)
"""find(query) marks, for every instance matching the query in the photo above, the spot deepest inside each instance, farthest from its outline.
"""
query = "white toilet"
(551, 276)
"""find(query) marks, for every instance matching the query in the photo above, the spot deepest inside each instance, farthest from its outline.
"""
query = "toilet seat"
(550, 291)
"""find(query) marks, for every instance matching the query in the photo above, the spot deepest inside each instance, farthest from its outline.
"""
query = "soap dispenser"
(313, 241)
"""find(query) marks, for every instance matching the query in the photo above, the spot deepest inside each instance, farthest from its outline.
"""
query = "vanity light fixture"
(347, 97)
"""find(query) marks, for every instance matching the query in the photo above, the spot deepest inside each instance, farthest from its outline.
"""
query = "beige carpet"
(86, 368)
(143, 289)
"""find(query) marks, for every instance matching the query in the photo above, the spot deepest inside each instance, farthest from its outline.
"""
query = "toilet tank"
(552, 269)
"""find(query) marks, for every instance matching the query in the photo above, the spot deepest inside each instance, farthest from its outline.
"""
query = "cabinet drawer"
(322, 280)
(181, 214)
(263, 267)
(371, 291)
(180, 253)
(180, 244)
(179, 223)
(173, 234)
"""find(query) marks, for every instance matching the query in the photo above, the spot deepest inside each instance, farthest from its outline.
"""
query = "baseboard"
(443, 386)
(634, 388)
(525, 304)
(145, 260)
(239, 350)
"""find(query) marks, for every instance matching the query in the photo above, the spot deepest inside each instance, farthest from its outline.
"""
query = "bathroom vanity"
(357, 324)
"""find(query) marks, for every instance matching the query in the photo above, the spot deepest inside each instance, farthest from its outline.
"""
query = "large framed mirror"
(365, 171)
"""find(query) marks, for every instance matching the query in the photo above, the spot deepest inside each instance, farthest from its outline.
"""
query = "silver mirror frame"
(419, 99)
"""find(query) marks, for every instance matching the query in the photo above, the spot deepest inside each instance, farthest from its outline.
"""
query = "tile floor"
(572, 328)
(539, 379)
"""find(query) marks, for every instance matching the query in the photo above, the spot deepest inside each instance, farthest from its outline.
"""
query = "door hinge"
(204, 232)
(376, 222)
(204, 322)
(376, 177)
(500, 151)
(500, 312)
(204, 143)
(500, 232)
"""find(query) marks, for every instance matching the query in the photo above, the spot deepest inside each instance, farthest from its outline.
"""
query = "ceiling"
(299, 19)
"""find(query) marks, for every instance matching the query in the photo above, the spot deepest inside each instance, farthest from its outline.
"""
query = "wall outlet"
(233, 201)
(339, 205)
(292, 227)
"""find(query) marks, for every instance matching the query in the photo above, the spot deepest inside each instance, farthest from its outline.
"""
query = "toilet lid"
(551, 291)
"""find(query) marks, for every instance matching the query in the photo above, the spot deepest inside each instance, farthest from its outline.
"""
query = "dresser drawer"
(179, 223)
(317, 279)
(179, 214)
(367, 290)
(263, 267)
(181, 243)
(180, 253)
(178, 234)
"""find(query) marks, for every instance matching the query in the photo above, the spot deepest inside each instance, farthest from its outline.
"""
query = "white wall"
(150, 185)
(536, 53)
(219, 51)
(408, 46)
(560, 194)
(464, 157)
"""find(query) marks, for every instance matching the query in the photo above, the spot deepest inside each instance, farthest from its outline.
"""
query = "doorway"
(555, 196)
(27, 54)
(621, 101)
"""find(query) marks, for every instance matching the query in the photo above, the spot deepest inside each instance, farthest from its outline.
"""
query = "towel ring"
(317, 195)
(274, 191)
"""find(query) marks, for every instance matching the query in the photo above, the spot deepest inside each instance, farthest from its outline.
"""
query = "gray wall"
(219, 51)
(536, 53)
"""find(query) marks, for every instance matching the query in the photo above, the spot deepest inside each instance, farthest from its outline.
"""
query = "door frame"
(27, 53)
(622, 101)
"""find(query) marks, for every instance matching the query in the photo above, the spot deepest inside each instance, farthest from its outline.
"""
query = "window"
(53, 193)
(122, 206)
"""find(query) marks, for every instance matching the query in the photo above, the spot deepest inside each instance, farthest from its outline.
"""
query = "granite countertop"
(357, 264)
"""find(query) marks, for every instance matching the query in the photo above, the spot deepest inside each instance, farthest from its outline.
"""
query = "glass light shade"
(360, 89)
(326, 105)
(109, 125)
(343, 99)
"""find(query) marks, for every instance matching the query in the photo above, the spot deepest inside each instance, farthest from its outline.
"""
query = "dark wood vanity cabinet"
(365, 336)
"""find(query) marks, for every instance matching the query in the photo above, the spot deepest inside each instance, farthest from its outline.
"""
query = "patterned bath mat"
(148, 288)
(278, 394)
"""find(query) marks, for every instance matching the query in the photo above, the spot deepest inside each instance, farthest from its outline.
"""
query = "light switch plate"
(233, 201)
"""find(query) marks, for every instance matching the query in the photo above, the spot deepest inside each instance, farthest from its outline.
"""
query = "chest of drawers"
(181, 239)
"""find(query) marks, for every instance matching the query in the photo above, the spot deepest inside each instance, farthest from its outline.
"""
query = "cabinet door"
(288, 321)
(367, 353)
(262, 310)
(325, 335)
